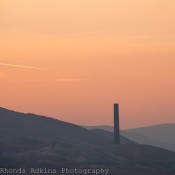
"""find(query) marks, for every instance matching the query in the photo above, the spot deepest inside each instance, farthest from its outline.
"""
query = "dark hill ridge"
(14, 124)
(28, 140)
(157, 135)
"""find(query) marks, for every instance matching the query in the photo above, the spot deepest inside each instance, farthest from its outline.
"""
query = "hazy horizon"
(73, 59)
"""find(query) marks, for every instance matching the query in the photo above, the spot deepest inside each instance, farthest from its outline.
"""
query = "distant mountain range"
(28, 140)
(158, 135)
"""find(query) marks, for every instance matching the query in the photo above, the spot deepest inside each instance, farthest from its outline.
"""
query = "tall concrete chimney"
(116, 124)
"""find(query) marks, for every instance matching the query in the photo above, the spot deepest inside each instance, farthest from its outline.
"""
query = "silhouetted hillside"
(102, 127)
(14, 124)
(158, 135)
(28, 140)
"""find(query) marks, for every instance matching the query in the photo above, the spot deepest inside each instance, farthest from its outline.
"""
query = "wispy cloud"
(21, 66)
(71, 80)
(49, 80)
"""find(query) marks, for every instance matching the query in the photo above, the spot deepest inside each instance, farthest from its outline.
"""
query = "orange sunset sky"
(72, 59)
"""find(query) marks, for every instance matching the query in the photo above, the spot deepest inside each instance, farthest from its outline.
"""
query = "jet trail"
(71, 80)
(21, 66)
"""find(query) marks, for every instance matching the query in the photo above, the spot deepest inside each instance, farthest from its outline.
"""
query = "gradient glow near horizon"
(72, 59)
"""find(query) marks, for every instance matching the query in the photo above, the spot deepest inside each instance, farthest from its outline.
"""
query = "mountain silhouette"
(29, 140)
(157, 135)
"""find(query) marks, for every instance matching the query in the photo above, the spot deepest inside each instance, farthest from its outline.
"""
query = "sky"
(72, 59)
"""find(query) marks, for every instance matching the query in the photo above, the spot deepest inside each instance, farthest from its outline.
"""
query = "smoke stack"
(116, 124)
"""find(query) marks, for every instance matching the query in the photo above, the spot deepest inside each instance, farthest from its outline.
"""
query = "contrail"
(71, 80)
(21, 66)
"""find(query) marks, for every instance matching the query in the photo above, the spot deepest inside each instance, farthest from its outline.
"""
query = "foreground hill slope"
(15, 124)
(28, 140)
